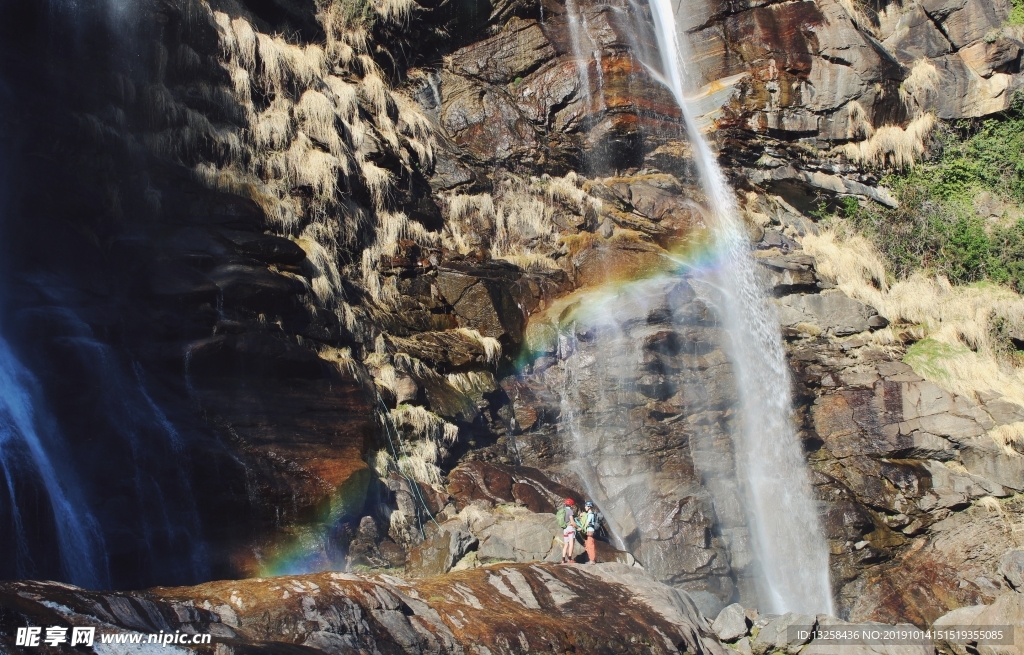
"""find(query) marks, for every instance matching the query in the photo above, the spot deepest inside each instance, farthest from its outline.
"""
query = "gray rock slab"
(834, 312)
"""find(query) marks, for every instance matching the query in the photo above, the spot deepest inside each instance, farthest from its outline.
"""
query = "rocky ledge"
(506, 608)
(503, 608)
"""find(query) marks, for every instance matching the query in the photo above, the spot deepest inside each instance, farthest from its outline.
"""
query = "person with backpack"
(590, 524)
(567, 521)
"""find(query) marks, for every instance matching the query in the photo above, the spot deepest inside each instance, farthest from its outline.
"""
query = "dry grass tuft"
(346, 100)
(397, 12)
(922, 81)
(892, 145)
(245, 40)
(420, 464)
(491, 346)
(858, 16)
(517, 224)
(311, 167)
(376, 93)
(378, 182)
(341, 358)
(273, 128)
(954, 327)
(425, 432)
(272, 69)
(382, 462)
(851, 262)
(1010, 438)
(473, 383)
(316, 115)
(321, 264)
(523, 224)
(860, 126)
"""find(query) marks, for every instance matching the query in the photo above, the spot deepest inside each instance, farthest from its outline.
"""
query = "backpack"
(563, 522)
(600, 526)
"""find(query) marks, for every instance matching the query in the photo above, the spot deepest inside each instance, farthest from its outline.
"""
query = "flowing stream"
(788, 538)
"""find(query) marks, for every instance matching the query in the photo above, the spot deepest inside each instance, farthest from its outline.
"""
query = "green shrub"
(936, 226)
(1017, 14)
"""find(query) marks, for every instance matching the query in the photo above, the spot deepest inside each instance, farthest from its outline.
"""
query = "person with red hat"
(567, 521)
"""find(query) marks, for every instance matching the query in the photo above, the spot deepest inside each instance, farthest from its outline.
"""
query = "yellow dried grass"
(491, 346)
(959, 319)
(892, 145)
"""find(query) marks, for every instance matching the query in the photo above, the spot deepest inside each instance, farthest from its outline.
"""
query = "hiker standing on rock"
(567, 521)
(588, 524)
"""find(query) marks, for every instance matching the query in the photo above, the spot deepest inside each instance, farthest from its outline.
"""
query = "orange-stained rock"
(507, 608)
(601, 262)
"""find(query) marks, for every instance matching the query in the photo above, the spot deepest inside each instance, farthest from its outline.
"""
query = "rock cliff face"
(341, 268)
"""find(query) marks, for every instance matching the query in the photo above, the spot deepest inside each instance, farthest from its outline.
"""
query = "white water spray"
(783, 519)
(22, 450)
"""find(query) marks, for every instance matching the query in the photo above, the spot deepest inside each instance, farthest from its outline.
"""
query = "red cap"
(570, 501)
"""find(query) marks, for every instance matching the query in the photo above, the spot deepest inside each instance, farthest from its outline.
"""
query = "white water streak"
(80, 545)
(783, 518)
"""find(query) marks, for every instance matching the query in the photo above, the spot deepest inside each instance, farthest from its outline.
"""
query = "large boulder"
(521, 537)
(731, 623)
(443, 549)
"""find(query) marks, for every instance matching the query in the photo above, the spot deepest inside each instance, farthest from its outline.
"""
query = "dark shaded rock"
(493, 298)
(265, 247)
(180, 283)
(257, 289)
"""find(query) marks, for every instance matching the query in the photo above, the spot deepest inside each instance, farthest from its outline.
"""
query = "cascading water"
(584, 48)
(28, 443)
(788, 538)
(26, 439)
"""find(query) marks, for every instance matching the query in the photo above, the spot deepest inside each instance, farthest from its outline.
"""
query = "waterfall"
(584, 48)
(788, 538)
(26, 443)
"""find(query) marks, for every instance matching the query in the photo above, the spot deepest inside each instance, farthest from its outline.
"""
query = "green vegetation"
(1017, 14)
(961, 214)
(929, 357)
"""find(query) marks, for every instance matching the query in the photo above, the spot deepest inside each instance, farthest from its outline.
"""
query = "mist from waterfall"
(788, 539)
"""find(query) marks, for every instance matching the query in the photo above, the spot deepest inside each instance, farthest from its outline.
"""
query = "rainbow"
(315, 547)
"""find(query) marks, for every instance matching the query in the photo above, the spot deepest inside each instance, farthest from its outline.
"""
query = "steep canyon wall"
(282, 266)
